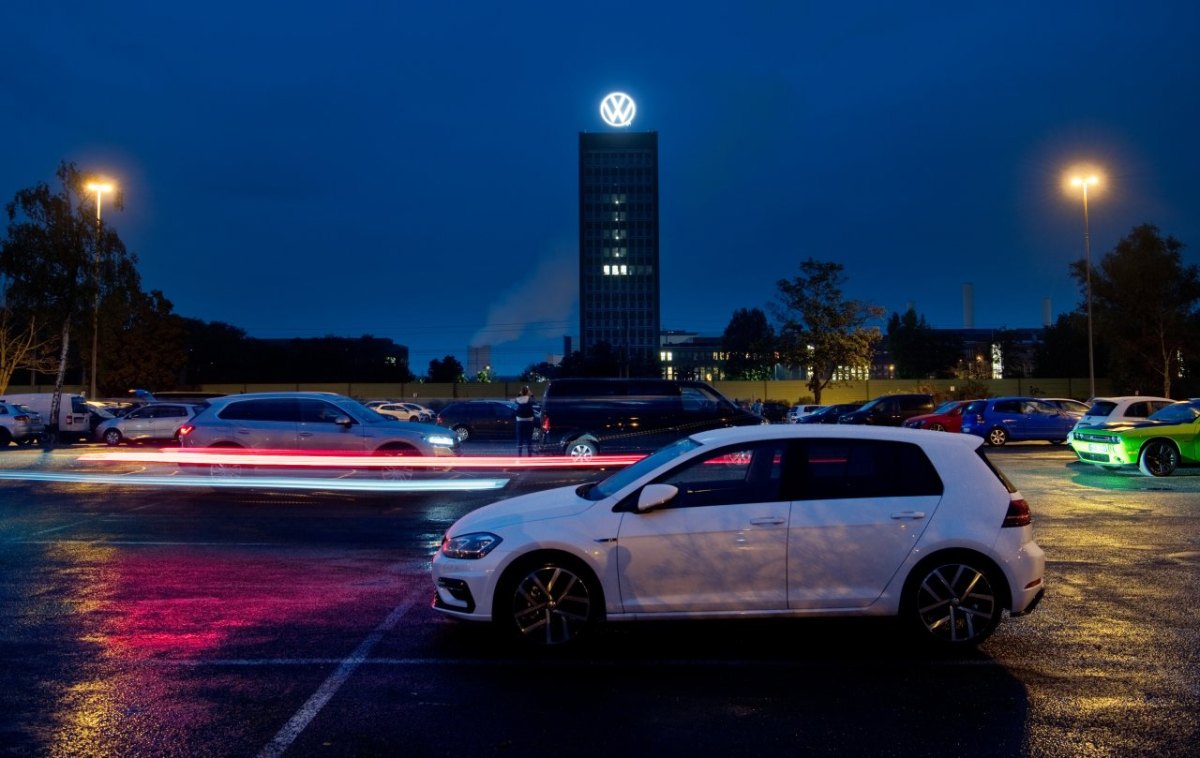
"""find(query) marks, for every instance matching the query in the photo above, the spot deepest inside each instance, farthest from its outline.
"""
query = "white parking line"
(330, 686)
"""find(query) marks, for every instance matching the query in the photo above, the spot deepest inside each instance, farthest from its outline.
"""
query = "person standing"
(524, 422)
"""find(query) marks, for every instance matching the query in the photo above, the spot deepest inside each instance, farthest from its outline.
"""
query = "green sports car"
(1166, 440)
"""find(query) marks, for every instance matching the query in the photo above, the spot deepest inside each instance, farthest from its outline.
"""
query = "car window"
(1007, 406)
(319, 412)
(1101, 408)
(276, 409)
(840, 469)
(732, 475)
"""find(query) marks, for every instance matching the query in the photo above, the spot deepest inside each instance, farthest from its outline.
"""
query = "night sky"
(409, 170)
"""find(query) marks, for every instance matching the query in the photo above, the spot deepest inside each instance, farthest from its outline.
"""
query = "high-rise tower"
(618, 245)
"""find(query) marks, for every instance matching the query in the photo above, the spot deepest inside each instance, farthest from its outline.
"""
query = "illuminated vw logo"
(617, 109)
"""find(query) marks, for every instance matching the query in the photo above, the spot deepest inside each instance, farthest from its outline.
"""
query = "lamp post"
(1085, 182)
(99, 188)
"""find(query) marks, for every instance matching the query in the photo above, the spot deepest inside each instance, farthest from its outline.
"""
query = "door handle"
(767, 521)
(910, 515)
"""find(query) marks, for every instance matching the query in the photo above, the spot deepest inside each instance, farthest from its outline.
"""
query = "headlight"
(469, 546)
(445, 440)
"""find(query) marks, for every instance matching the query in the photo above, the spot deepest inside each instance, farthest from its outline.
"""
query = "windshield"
(1178, 413)
(633, 472)
(947, 406)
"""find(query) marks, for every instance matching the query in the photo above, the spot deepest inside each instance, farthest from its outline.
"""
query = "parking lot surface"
(150, 619)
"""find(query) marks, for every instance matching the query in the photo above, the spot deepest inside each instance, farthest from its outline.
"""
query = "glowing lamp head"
(99, 187)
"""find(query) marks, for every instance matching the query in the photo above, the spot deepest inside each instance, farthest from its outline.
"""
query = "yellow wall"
(786, 391)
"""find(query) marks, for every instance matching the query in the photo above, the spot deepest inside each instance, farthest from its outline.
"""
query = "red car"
(947, 417)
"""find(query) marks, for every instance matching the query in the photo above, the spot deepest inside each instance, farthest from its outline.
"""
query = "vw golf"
(758, 521)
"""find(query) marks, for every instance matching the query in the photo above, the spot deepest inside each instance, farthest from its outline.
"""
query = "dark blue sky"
(410, 170)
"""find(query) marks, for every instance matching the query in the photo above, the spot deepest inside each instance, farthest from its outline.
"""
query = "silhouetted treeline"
(218, 353)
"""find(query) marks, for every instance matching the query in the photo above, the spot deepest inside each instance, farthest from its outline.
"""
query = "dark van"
(586, 417)
(890, 410)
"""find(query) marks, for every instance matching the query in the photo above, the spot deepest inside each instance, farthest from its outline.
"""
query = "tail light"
(438, 420)
(545, 423)
(21, 419)
(186, 429)
(1018, 512)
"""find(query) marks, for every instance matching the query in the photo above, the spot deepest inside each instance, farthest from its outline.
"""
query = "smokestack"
(1046, 312)
(968, 306)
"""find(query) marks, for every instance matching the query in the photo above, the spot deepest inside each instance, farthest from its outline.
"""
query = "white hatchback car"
(1122, 408)
(757, 521)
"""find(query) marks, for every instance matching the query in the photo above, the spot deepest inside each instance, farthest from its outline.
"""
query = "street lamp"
(99, 188)
(1088, 181)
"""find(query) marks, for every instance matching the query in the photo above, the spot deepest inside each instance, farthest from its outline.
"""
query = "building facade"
(618, 245)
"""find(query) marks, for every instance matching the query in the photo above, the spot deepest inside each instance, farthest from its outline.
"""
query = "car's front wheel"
(1158, 458)
(954, 601)
(462, 432)
(396, 473)
(582, 450)
(997, 437)
(547, 603)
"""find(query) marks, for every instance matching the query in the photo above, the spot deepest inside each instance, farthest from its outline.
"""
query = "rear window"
(849, 468)
(261, 410)
(1101, 408)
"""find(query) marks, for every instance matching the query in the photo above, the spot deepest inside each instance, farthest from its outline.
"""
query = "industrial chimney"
(968, 306)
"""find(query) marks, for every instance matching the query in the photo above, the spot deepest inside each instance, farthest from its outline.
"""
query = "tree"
(59, 259)
(749, 344)
(821, 330)
(447, 369)
(1144, 305)
(538, 373)
(142, 343)
(22, 346)
(918, 351)
(1063, 349)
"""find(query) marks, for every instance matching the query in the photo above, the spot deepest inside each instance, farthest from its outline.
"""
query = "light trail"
(276, 458)
(268, 482)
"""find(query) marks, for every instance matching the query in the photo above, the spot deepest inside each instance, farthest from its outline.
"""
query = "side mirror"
(655, 495)
(343, 421)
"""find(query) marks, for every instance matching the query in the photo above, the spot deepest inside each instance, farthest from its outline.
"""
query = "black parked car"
(890, 410)
(829, 414)
(584, 417)
(480, 419)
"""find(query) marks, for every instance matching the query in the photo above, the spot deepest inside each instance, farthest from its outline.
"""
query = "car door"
(719, 545)
(1009, 416)
(318, 428)
(138, 424)
(859, 508)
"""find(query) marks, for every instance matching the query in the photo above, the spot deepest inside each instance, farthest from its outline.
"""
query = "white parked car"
(1122, 408)
(797, 412)
(19, 424)
(405, 411)
(152, 422)
(757, 521)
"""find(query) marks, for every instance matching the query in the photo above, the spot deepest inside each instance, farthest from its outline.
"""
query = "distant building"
(479, 359)
(688, 355)
(618, 244)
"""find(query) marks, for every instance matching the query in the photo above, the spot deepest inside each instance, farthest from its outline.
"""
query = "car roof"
(757, 432)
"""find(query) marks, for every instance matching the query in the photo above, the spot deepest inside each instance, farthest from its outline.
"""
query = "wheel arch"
(1004, 586)
(542, 556)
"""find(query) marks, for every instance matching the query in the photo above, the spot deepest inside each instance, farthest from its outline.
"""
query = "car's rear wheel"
(549, 602)
(462, 432)
(954, 601)
(997, 437)
(225, 469)
(1057, 442)
(5, 438)
(1158, 458)
(112, 437)
(582, 449)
